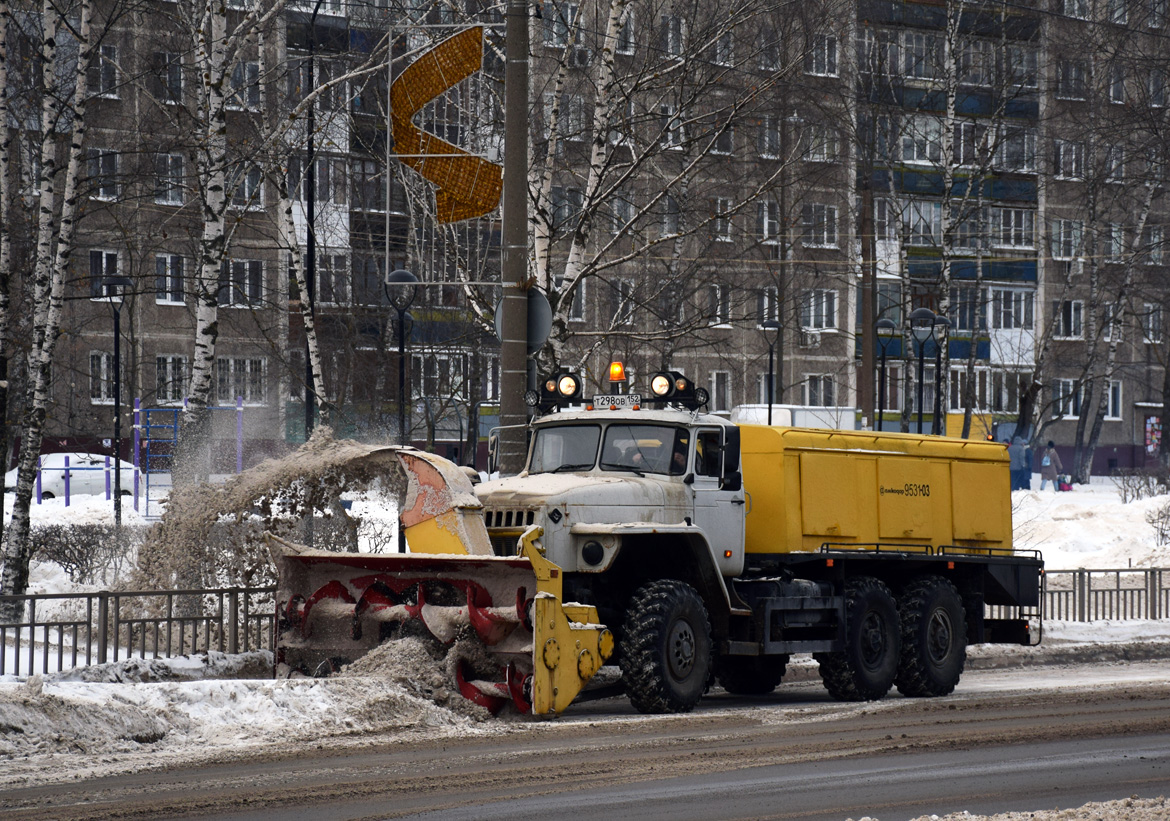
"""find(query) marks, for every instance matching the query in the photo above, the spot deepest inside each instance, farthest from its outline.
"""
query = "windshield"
(645, 449)
(570, 447)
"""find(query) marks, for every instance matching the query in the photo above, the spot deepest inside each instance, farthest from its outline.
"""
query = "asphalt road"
(1021, 739)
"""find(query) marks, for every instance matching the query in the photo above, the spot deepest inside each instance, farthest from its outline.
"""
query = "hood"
(611, 489)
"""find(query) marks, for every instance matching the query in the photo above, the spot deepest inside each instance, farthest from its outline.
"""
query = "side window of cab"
(709, 453)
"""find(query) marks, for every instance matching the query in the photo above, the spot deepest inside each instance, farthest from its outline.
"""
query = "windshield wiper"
(616, 466)
(571, 466)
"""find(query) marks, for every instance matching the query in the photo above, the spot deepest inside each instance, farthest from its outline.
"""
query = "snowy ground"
(146, 714)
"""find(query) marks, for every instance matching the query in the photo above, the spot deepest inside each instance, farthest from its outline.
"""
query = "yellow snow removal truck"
(708, 551)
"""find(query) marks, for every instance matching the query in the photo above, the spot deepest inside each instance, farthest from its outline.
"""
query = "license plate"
(621, 400)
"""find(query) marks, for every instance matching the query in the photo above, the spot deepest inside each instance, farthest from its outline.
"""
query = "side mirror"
(732, 481)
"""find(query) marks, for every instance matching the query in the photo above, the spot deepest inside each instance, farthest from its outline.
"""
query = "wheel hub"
(680, 649)
(872, 641)
(938, 636)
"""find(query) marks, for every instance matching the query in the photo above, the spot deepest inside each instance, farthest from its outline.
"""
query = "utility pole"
(514, 263)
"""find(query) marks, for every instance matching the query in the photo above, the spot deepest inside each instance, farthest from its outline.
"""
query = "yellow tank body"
(811, 487)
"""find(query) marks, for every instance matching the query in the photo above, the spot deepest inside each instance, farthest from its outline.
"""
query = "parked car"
(87, 475)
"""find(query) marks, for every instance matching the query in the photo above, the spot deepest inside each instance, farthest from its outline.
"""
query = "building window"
(170, 379)
(921, 53)
(102, 265)
(967, 311)
(625, 42)
(623, 301)
(1077, 8)
(1070, 79)
(721, 219)
(566, 205)
(768, 221)
(960, 385)
(241, 283)
(971, 142)
(1113, 411)
(1022, 65)
(723, 142)
(1117, 84)
(577, 306)
(239, 378)
(1114, 242)
(103, 173)
(1067, 316)
(768, 142)
(103, 72)
(818, 390)
(768, 304)
(369, 186)
(1151, 320)
(923, 222)
(671, 216)
(673, 35)
(1157, 14)
(441, 375)
(976, 63)
(769, 59)
(1114, 163)
(1068, 159)
(168, 279)
(246, 187)
(671, 125)
(821, 142)
(1066, 399)
(168, 81)
(1152, 245)
(818, 309)
(1011, 309)
(333, 279)
(718, 304)
(922, 140)
(560, 23)
(1017, 148)
(820, 225)
(1066, 238)
(1117, 12)
(1157, 88)
(622, 214)
(1013, 227)
(168, 185)
(821, 58)
(101, 378)
(721, 49)
(720, 390)
(244, 92)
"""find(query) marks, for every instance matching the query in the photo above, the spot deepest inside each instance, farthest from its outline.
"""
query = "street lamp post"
(885, 330)
(771, 330)
(115, 297)
(921, 326)
(400, 290)
(940, 330)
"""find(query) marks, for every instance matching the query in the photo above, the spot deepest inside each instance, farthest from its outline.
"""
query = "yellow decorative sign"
(468, 186)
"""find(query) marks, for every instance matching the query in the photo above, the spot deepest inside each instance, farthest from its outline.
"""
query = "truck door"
(719, 498)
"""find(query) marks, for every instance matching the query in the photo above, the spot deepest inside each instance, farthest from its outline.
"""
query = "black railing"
(60, 631)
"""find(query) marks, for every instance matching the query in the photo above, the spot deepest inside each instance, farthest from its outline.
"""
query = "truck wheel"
(666, 648)
(750, 675)
(873, 641)
(934, 638)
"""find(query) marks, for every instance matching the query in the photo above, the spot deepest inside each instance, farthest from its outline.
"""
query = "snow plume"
(212, 535)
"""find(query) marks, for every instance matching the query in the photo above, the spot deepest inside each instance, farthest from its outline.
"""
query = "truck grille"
(508, 517)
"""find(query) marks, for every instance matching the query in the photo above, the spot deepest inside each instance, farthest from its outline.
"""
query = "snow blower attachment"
(531, 649)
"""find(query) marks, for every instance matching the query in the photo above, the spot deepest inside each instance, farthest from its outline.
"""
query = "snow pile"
(1088, 527)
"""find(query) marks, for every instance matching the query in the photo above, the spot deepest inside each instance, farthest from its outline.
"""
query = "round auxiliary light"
(660, 385)
(593, 553)
(680, 384)
(531, 398)
(550, 385)
(567, 385)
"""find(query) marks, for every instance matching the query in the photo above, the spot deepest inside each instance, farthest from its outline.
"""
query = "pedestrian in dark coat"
(1050, 466)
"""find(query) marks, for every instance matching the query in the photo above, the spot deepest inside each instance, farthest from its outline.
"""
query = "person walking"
(1016, 457)
(1050, 466)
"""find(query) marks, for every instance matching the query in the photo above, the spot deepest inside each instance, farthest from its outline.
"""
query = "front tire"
(750, 675)
(666, 648)
(934, 638)
(865, 671)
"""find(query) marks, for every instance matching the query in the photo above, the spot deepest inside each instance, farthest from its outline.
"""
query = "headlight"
(660, 385)
(567, 385)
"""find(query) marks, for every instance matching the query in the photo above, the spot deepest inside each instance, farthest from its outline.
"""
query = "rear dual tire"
(934, 638)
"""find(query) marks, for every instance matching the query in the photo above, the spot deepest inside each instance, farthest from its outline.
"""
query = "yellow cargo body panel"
(810, 487)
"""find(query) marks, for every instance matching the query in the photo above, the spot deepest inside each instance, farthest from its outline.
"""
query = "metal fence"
(65, 630)
(1099, 595)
